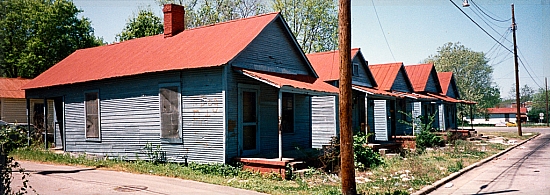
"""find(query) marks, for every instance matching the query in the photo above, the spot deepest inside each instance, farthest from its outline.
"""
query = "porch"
(292, 161)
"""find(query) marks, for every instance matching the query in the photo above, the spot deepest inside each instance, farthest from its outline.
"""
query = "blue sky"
(414, 30)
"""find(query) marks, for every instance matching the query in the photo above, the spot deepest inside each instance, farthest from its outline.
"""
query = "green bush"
(11, 138)
(364, 156)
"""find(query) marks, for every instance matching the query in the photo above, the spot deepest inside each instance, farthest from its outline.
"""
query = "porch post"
(472, 116)
(28, 121)
(280, 115)
(45, 123)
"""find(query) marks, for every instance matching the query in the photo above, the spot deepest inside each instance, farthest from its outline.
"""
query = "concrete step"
(297, 165)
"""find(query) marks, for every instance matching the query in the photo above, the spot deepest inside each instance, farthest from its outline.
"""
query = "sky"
(414, 30)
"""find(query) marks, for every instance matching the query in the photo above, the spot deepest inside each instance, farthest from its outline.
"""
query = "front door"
(249, 141)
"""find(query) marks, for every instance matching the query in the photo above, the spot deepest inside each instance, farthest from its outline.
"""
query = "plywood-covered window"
(288, 113)
(170, 113)
(91, 110)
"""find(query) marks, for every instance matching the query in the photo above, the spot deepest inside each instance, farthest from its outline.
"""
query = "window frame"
(98, 138)
(179, 107)
(355, 69)
(293, 96)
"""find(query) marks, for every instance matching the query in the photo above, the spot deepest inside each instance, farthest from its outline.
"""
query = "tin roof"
(327, 64)
(11, 87)
(299, 82)
(419, 75)
(385, 74)
(206, 46)
(506, 110)
(445, 80)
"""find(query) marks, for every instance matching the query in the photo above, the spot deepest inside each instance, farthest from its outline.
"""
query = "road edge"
(439, 183)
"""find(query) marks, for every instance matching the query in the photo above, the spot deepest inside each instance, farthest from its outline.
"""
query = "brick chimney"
(174, 19)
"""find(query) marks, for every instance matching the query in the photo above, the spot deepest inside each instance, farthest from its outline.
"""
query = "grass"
(404, 174)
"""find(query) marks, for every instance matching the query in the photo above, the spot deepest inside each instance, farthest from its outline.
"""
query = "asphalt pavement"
(522, 170)
(57, 179)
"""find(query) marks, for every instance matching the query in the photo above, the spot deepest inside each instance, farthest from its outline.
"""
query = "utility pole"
(347, 169)
(518, 105)
(546, 94)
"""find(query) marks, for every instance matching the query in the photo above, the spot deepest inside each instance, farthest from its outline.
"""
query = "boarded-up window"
(92, 115)
(170, 114)
(288, 113)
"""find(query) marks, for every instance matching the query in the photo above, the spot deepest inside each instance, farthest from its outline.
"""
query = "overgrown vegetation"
(11, 138)
(404, 174)
(363, 155)
(425, 138)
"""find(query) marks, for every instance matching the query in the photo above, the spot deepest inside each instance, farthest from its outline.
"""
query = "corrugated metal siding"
(417, 111)
(380, 120)
(272, 51)
(400, 83)
(324, 116)
(130, 116)
(13, 110)
(362, 77)
(442, 117)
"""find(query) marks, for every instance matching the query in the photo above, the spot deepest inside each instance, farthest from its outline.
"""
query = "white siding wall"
(324, 114)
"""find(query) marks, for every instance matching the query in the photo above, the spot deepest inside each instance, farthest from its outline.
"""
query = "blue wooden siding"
(370, 113)
(451, 90)
(380, 120)
(324, 124)
(361, 78)
(403, 105)
(273, 51)
(400, 83)
(431, 85)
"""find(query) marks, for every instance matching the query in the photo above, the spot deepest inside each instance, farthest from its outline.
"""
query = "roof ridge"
(231, 21)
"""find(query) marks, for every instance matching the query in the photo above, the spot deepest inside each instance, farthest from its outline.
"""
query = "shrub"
(425, 138)
(11, 138)
(364, 156)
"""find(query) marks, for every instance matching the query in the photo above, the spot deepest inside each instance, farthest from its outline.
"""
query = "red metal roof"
(11, 87)
(506, 110)
(327, 64)
(293, 81)
(445, 80)
(206, 46)
(385, 74)
(419, 75)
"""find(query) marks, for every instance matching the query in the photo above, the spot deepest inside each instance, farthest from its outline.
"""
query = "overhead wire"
(479, 7)
(383, 33)
(480, 26)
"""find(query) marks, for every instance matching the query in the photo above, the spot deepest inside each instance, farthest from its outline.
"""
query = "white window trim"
(98, 139)
(180, 125)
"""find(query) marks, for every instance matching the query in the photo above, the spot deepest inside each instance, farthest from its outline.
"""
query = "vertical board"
(323, 111)
(442, 117)
(417, 112)
(380, 120)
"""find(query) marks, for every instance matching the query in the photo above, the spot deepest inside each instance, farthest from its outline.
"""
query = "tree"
(538, 106)
(472, 73)
(200, 13)
(313, 22)
(145, 23)
(526, 93)
(35, 35)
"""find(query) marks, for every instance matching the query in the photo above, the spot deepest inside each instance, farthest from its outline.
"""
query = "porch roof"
(292, 83)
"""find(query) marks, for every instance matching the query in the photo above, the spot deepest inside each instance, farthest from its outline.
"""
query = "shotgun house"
(325, 108)
(390, 109)
(207, 94)
(425, 81)
(451, 96)
(13, 107)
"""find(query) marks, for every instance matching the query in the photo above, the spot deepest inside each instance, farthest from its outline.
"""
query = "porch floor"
(270, 163)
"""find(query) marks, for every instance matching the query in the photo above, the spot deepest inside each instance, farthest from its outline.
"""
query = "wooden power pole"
(518, 105)
(546, 94)
(347, 169)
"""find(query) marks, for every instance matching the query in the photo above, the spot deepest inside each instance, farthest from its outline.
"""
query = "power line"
(383, 33)
(478, 7)
(480, 26)
(475, 12)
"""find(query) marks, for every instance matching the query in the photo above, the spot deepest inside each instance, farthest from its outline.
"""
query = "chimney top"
(174, 19)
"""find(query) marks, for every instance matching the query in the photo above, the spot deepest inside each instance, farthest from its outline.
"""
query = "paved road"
(523, 170)
(56, 179)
